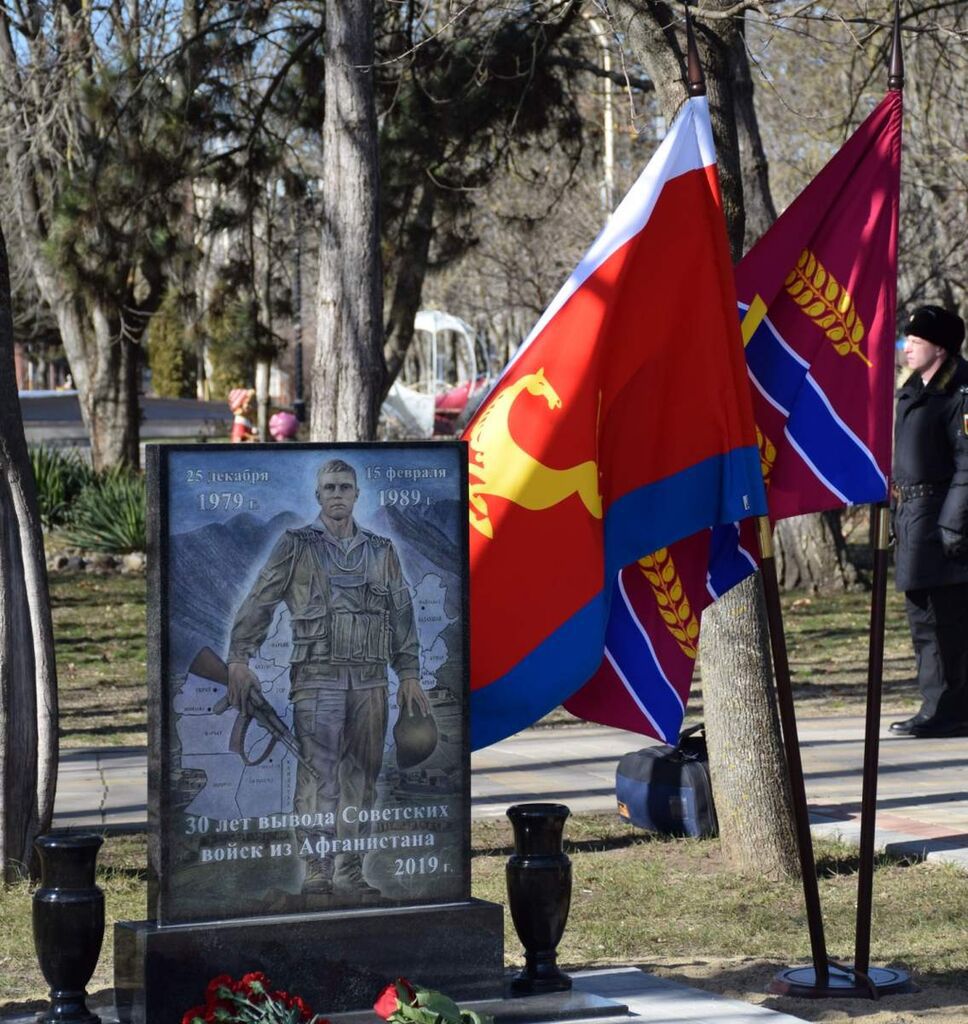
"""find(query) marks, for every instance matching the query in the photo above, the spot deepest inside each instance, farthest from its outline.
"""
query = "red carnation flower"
(256, 985)
(297, 1003)
(218, 990)
(195, 1013)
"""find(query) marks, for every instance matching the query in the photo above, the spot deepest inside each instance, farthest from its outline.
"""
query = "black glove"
(954, 545)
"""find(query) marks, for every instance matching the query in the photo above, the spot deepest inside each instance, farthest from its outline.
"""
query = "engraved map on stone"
(233, 789)
(429, 607)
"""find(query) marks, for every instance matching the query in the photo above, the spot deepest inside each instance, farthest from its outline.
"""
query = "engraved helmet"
(416, 738)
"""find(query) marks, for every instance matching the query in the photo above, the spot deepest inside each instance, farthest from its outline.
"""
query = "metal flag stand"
(878, 980)
(827, 978)
(821, 982)
(823, 978)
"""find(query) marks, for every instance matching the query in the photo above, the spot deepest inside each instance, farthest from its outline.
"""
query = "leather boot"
(907, 727)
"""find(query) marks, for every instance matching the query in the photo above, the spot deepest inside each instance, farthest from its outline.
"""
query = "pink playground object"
(283, 426)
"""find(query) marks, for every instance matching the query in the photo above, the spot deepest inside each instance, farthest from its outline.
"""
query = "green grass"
(99, 623)
(827, 640)
(636, 900)
(99, 631)
(638, 897)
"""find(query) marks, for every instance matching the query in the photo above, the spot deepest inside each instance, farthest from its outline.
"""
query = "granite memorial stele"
(308, 769)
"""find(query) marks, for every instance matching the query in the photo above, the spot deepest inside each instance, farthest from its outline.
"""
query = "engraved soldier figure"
(352, 617)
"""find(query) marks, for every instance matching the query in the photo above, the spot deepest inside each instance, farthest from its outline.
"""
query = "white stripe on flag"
(648, 643)
(687, 147)
(628, 686)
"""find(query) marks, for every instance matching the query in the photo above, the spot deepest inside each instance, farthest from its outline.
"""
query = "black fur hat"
(938, 326)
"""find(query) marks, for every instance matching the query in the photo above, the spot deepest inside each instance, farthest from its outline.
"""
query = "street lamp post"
(601, 34)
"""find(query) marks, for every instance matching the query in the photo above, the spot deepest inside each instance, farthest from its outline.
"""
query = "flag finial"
(695, 79)
(895, 76)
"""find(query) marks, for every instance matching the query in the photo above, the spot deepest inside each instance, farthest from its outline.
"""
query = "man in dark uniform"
(352, 616)
(930, 500)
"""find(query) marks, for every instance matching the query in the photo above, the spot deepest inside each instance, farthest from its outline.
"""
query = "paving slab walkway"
(661, 1001)
(922, 806)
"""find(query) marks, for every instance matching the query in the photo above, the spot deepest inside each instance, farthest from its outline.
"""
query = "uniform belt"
(906, 492)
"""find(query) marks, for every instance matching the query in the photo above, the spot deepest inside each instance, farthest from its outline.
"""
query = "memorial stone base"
(337, 961)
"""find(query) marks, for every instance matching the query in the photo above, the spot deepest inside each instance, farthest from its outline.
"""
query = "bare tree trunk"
(411, 264)
(811, 553)
(808, 552)
(105, 365)
(28, 681)
(743, 734)
(745, 751)
(263, 369)
(348, 370)
(758, 207)
(101, 347)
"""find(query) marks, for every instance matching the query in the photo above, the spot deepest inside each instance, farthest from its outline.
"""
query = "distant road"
(55, 416)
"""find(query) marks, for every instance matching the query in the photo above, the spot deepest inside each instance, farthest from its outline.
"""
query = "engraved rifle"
(208, 665)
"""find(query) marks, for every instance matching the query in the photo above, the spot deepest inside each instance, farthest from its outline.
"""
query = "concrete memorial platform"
(615, 995)
(308, 762)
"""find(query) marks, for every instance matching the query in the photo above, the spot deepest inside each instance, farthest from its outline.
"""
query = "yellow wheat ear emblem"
(660, 570)
(767, 455)
(828, 304)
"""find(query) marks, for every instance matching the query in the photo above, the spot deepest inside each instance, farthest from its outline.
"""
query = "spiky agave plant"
(59, 477)
(109, 514)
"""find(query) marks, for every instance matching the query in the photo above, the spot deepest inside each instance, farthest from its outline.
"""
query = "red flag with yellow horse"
(622, 425)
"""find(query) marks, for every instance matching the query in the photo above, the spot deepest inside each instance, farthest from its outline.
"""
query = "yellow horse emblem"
(501, 468)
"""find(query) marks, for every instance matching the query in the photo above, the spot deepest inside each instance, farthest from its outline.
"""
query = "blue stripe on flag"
(719, 489)
(729, 564)
(649, 518)
(542, 679)
(832, 451)
(776, 369)
(835, 454)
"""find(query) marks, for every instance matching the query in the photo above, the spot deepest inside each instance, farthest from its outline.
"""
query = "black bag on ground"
(666, 789)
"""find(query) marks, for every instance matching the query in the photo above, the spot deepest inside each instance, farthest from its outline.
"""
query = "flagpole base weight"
(842, 983)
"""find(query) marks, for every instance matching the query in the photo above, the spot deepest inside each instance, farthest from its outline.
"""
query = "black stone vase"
(539, 894)
(68, 918)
